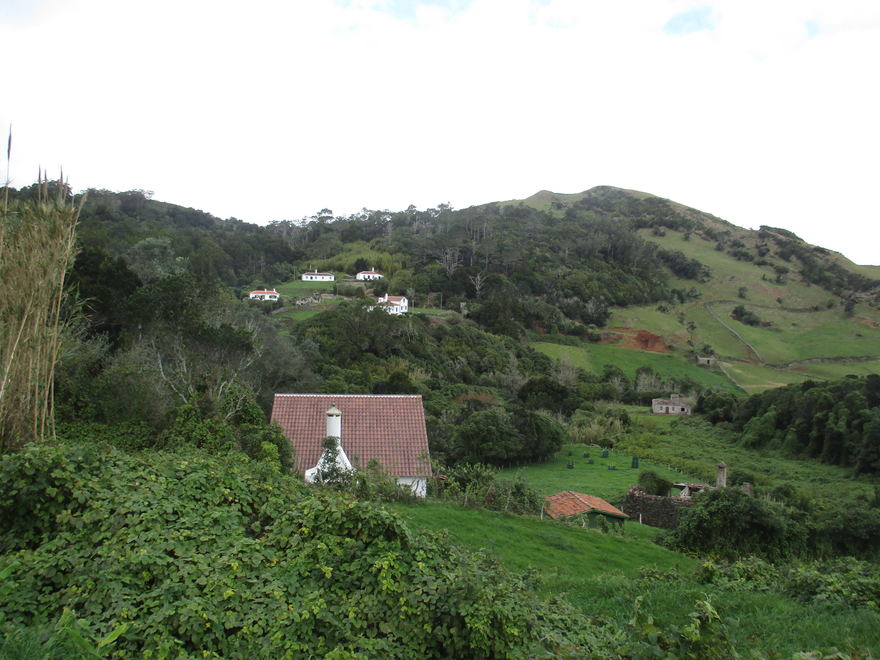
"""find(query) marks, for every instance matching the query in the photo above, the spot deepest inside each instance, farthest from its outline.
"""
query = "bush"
(225, 557)
(653, 484)
(728, 523)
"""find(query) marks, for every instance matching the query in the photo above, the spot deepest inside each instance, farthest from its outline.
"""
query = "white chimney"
(334, 422)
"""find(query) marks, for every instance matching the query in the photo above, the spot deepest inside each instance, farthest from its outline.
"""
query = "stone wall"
(655, 510)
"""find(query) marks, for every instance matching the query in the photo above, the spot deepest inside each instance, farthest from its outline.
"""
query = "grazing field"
(694, 446)
(797, 336)
(604, 574)
(593, 479)
(592, 358)
(293, 289)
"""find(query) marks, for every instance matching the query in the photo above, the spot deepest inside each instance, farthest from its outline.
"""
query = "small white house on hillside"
(264, 294)
(396, 305)
(315, 276)
(366, 275)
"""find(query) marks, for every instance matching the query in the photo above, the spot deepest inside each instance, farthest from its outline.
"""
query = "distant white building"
(396, 305)
(264, 294)
(674, 406)
(315, 276)
(366, 275)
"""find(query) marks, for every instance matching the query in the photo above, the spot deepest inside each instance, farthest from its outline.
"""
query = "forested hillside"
(535, 328)
(167, 346)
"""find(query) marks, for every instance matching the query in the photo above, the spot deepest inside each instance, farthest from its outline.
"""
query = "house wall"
(655, 510)
(419, 485)
(674, 409)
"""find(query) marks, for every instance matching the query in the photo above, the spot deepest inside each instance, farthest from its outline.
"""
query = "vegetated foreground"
(173, 554)
(176, 554)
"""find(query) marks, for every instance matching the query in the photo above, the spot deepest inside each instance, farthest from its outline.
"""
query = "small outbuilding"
(672, 406)
(588, 508)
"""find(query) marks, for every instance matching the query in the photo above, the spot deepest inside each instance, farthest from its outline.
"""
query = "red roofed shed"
(568, 504)
(389, 428)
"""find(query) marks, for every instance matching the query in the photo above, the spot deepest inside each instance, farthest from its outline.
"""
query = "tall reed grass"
(37, 248)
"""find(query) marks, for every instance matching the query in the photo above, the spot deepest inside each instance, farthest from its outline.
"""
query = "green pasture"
(523, 542)
(293, 289)
(695, 447)
(754, 378)
(758, 280)
(593, 358)
(802, 335)
(833, 371)
(603, 574)
(597, 479)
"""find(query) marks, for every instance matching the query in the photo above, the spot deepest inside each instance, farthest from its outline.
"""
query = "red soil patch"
(646, 341)
(639, 340)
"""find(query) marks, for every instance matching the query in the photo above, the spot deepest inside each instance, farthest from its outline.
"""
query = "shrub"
(225, 557)
(653, 484)
(730, 524)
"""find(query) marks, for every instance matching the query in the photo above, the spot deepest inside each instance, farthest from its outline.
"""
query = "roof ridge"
(371, 396)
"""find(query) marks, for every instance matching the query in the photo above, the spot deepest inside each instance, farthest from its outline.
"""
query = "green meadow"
(596, 478)
(603, 575)
(592, 358)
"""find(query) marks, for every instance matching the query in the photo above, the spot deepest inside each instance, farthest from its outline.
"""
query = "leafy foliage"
(219, 555)
(728, 523)
(837, 422)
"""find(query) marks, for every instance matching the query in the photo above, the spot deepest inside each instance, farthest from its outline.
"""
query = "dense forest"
(836, 422)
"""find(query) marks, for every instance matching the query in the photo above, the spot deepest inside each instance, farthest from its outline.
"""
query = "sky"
(757, 111)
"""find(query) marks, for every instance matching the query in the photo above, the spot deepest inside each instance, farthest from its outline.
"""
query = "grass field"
(602, 574)
(593, 357)
(293, 289)
(596, 479)
(695, 447)
(804, 335)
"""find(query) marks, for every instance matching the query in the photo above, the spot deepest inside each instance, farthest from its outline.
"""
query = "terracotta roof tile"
(389, 428)
(569, 503)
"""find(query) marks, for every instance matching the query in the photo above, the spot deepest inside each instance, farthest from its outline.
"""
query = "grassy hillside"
(597, 479)
(592, 358)
(696, 447)
(801, 320)
(603, 574)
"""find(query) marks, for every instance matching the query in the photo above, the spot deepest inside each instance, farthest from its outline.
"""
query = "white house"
(396, 305)
(388, 428)
(264, 294)
(674, 406)
(366, 275)
(315, 276)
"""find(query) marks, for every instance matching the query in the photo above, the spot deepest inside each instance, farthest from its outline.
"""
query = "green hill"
(817, 311)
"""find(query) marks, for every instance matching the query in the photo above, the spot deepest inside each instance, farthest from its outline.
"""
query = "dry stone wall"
(654, 510)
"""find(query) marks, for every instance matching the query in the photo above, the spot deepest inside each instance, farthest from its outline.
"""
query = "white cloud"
(275, 109)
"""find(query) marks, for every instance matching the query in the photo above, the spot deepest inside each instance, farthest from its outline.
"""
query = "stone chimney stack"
(334, 422)
(721, 475)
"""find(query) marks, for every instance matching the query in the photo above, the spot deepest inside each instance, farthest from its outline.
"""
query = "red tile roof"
(264, 291)
(569, 503)
(388, 427)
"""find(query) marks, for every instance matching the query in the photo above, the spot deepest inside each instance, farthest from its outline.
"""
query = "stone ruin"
(661, 511)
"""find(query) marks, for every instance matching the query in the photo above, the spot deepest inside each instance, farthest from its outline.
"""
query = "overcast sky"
(761, 112)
